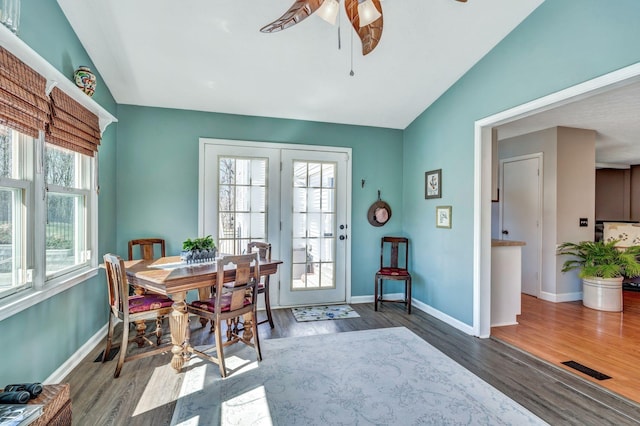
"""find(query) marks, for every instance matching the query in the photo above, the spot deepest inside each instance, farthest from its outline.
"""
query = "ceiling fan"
(365, 17)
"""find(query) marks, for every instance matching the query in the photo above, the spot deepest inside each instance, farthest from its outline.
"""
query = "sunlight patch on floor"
(165, 379)
(250, 408)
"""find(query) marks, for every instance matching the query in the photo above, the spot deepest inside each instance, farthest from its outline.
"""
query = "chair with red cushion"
(131, 309)
(394, 259)
(229, 302)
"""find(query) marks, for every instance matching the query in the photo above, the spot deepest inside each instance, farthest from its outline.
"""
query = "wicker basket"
(57, 406)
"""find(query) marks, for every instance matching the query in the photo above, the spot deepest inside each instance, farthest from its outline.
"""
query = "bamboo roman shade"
(71, 125)
(25, 106)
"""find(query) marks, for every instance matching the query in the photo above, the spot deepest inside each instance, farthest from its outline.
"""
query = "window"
(46, 213)
(67, 178)
(49, 136)
(15, 190)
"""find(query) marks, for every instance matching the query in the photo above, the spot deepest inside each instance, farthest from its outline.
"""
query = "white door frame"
(275, 145)
(483, 172)
(539, 231)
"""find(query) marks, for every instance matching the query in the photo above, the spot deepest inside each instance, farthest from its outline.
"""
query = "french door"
(295, 199)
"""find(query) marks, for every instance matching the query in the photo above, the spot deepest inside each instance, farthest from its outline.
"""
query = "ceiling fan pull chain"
(351, 73)
(339, 22)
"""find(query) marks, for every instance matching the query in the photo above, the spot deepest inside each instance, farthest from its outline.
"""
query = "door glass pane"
(299, 199)
(258, 231)
(315, 200)
(314, 225)
(242, 202)
(259, 172)
(243, 199)
(299, 225)
(258, 198)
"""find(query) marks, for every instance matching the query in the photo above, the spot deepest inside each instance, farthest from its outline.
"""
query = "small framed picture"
(443, 217)
(433, 184)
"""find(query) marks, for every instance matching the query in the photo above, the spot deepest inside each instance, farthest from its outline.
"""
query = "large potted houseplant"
(602, 267)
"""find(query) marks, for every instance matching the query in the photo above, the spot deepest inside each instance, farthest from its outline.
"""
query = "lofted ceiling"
(209, 55)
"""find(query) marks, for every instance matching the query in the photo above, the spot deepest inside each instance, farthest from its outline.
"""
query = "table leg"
(247, 332)
(179, 323)
(141, 330)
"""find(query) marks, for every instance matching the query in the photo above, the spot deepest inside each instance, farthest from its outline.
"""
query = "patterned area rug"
(382, 377)
(319, 313)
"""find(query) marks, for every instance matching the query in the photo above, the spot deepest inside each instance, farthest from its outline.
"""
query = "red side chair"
(130, 309)
(393, 267)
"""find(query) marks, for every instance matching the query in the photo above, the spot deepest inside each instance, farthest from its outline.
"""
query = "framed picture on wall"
(433, 184)
(443, 217)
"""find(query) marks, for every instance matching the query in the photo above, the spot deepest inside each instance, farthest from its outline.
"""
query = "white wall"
(568, 194)
(576, 196)
(544, 141)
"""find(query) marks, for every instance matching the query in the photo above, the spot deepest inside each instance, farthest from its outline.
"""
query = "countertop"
(506, 243)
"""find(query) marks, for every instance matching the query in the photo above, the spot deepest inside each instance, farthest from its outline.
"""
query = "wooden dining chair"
(264, 253)
(147, 251)
(394, 258)
(130, 309)
(228, 303)
(147, 248)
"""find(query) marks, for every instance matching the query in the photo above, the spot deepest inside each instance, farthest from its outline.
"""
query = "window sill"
(28, 298)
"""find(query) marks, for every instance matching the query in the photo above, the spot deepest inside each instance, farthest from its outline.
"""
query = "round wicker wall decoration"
(379, 213)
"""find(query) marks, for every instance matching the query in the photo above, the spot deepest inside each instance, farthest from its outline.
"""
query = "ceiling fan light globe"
(367, 13)
(329, 11)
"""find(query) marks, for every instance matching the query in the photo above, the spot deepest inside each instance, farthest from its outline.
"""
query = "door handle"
(505, 232)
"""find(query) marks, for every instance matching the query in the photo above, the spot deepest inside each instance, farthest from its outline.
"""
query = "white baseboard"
(64, 370)
(561, 297)
(423, 307)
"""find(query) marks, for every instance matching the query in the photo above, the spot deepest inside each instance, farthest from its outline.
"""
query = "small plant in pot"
(198, 250)
(602, 267)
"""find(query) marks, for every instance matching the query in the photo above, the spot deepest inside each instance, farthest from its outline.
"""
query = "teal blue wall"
(562, 43)
(153, 189)
(36, 341)
(158, 174)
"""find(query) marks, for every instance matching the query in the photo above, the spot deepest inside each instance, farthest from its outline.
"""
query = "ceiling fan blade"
(371, 34)
(462, 1)
(299, 10)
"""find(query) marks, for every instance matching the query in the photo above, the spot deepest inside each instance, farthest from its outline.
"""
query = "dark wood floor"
(146, 390)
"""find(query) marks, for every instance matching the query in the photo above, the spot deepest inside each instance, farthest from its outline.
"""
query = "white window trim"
(20, 301)
(42, 288)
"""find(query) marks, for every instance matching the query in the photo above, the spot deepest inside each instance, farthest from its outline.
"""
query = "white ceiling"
(209, 55)
(614, 114)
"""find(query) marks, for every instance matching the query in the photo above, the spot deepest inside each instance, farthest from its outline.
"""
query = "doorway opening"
(484, 166)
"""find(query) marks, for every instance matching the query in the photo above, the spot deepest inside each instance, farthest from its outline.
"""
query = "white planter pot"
(603, 294)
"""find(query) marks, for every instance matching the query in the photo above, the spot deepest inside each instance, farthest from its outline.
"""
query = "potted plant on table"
(198, 250)
(602, 267)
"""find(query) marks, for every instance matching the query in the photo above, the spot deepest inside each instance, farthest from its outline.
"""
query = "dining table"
(174, 277)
